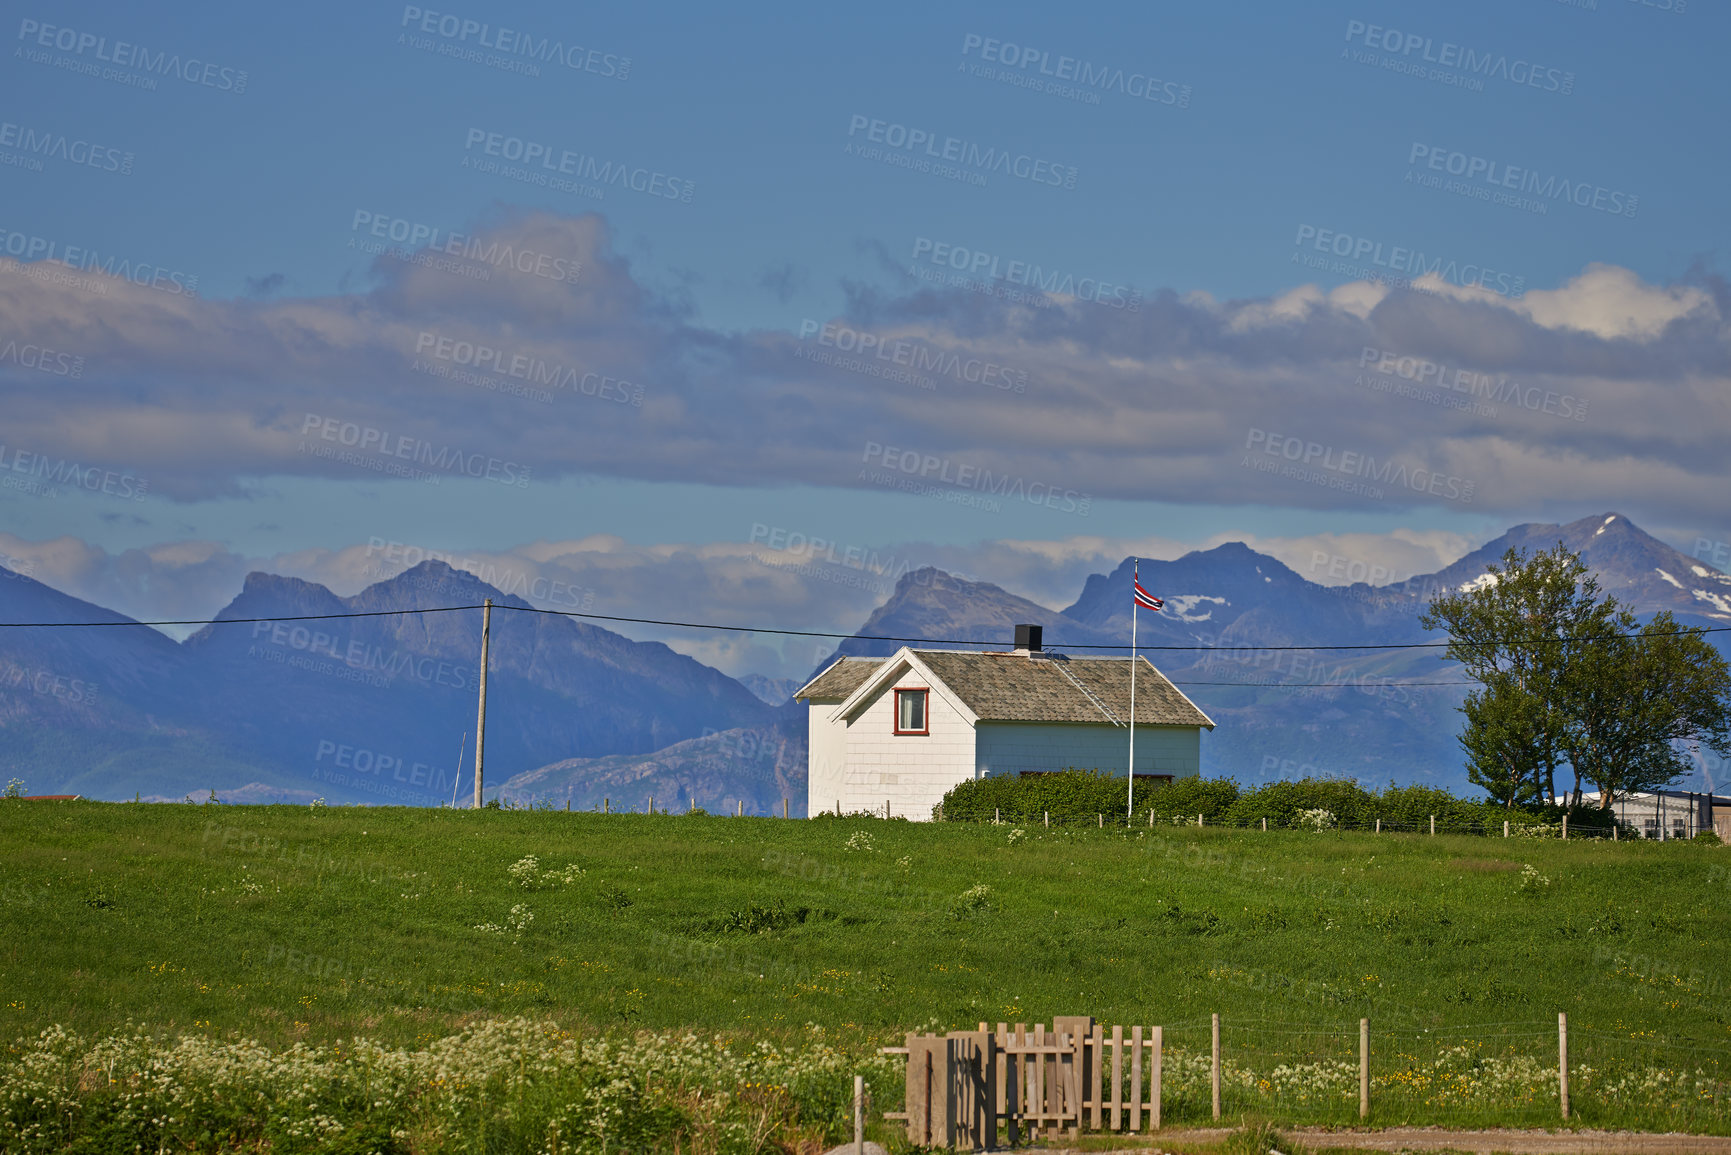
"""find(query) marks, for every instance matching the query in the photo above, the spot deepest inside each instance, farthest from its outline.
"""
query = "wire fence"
(1323, 822)
(1394, 1072)
(1492, 1074)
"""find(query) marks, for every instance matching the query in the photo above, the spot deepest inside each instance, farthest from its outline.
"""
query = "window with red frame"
(911, 712)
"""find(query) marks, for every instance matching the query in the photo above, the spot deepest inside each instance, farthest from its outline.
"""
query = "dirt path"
(1418, 1139)
(1517, 1142)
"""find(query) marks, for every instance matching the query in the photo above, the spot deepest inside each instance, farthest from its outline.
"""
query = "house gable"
(886, 767)
(904, 662)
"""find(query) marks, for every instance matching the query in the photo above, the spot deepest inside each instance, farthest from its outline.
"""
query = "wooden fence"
(1038, 1083)
(1050, 1083)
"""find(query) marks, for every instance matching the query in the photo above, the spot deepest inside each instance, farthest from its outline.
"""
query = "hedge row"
(1077, 796)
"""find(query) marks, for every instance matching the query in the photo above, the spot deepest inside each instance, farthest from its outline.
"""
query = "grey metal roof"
(1014, 688)
(841, 679)
(1011, 687)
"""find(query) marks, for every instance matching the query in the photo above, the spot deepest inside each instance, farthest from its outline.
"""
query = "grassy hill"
(289, 924)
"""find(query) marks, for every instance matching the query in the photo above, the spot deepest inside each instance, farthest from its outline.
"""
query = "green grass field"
(292, 924)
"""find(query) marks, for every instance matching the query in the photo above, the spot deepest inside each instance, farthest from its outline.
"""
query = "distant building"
(1668, 814)
(895, 734)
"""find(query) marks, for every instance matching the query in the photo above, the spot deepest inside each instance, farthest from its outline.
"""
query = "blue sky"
(1279, 138)
(1279, 131)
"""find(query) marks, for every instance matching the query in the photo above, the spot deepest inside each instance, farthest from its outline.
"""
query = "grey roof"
(1010, 687)
(841, 679)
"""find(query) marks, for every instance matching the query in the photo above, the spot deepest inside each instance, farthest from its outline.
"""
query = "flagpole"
(1135, 577)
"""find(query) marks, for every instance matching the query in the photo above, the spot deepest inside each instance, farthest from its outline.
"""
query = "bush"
(1071, 795)
(1284, 804)
(1075, 797)
(1185, 798)
(1078, 796)
(1411, 807)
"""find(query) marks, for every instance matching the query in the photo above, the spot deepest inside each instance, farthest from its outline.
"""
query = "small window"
(911, 712)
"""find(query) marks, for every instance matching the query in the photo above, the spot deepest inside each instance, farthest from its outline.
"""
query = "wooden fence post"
(1154, 1080)
(1034, 1102)
(1073, 1083)
(1097, 1071)
(1364, 1068)
(1563, 1060)
(859, 1115)
(1379, 826)
(1265, 826)
(1214, 1068)
(1505, 828)
(1117, 1077)
(919, 1091)
(1135, 1078)
(1565, 827)
(1048, 815)
(1433, 825)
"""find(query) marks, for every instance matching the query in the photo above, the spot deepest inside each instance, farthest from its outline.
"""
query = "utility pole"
(481, 709)
(458, 780)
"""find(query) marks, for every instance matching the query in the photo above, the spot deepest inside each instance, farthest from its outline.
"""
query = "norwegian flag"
(1145, 599)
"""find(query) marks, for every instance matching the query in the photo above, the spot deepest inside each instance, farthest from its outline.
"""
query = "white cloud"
(1611, 302)
(1113, 403)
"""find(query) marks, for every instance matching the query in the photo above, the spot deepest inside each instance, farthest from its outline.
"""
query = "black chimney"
(1029, 638)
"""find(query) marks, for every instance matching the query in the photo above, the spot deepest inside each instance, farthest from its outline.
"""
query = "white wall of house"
(1012, 747)
(827, 759)
(910, 772)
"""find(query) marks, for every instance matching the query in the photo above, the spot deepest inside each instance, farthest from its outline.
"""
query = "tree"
(1571, 679)
(1517, 630)
(1500, 741)
(1636, 697)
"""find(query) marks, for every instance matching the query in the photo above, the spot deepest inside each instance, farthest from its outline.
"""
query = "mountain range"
(380, 709)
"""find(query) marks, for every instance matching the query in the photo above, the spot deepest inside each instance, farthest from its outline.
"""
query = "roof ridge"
(1089, 694)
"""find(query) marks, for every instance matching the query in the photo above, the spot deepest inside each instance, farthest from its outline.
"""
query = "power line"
(239, 621)
(1300, 685)
(952, 641)
(812, 633)
(746, 629)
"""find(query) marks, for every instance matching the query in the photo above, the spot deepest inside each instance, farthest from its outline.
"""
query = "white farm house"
(899, 732)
